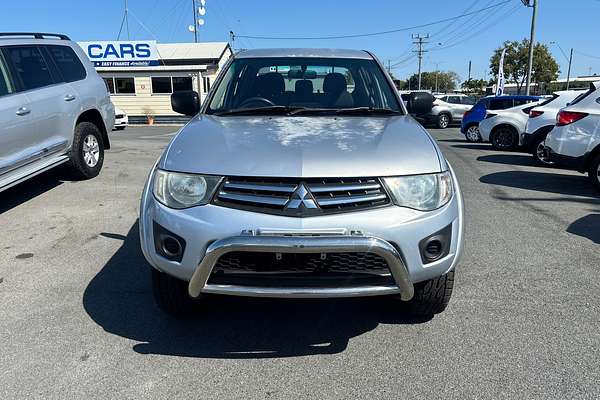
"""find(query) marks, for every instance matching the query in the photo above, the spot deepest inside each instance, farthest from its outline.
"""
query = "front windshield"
(324, 84)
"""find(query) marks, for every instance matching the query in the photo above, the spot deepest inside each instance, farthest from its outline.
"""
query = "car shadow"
(572, 185)
(510, 159)
(474, 146)
(587, 227)
(119, 299)
(30, 189)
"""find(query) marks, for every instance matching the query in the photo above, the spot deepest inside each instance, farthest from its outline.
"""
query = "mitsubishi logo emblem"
(301, 199)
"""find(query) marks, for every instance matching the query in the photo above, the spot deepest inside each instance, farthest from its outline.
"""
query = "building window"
(182, 83)
(168, 85)
(161, 85)
(205, 84)
(110, 84)
(124, 86)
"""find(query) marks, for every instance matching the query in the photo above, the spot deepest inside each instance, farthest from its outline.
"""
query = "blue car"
(470, 121)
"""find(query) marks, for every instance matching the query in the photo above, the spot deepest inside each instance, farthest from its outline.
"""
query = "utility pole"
(195, 24)
(389, 66)
(531, 41)
(127, 19)
(469, 71)
(420, 41)
(569, 70)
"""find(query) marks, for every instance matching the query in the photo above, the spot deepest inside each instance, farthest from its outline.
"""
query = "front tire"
(432, 296)
(504, 138)
(87, 151)
(443, 121)
(594, 172)
(472, 135)
(171, 295)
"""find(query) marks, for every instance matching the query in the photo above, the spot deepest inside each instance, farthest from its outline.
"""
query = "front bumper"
(391, 232)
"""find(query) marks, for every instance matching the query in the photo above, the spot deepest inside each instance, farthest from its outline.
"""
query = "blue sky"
(471, 38)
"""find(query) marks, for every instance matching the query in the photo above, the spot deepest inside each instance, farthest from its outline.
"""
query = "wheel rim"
(473, 134)
(598, 174)
(504, 139)
(541, 154)
(443, 121)
(91, 151)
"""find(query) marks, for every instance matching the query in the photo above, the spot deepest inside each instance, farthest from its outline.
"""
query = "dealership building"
(141, 75)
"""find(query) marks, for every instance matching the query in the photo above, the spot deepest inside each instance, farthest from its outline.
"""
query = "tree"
(544, 70)
(475, 86)
(446, 81)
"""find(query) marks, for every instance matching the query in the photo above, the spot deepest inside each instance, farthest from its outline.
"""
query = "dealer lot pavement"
(78, 319)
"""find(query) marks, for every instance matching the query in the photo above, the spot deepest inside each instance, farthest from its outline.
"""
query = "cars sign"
(121, 53)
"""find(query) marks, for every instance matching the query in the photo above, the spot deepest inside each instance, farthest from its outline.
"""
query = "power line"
(586, 55)
(374, 33)
(479, 31)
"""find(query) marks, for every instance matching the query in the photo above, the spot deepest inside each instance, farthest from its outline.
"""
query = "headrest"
(270, 84)
(334, 83)
(304, 87)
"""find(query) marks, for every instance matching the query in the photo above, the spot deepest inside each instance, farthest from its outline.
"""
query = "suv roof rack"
(36, 35)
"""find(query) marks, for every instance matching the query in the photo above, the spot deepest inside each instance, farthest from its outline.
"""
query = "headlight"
(421, 192)
(179, 190)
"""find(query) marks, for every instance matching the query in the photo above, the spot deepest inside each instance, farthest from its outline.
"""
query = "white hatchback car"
(54, 108)
(502, 127)
(575, 141)
(542, 119)
(121, 119)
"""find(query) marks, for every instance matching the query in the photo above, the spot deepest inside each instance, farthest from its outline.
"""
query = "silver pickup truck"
(302, 175)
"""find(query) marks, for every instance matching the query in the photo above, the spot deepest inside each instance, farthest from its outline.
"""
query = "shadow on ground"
(119, 299)
(509, 159)
(572, 185)
(474, 146)
(30, 189)
(587, 227)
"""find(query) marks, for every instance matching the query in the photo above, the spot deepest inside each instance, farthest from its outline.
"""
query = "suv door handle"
(69, 97)
(23, 111)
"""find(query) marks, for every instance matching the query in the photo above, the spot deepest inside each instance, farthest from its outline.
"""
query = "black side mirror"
(186, 102)
(419, 103)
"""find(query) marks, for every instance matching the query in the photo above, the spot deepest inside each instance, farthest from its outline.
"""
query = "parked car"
(542, 119)
(470, 122)
(449, 109)
(502, 128)
(121, 119)
(293, 186)
(575, 140)
(54, 108)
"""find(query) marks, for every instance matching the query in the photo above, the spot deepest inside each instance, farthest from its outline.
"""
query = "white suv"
(54, 108)
(541, 121)
(575, 141)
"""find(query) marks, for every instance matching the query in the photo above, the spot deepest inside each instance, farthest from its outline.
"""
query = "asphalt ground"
(77, 318)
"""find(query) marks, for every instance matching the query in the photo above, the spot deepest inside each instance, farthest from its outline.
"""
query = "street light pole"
(531, 44)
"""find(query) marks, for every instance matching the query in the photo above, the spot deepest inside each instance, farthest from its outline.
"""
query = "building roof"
(304, 52)
(190, 51)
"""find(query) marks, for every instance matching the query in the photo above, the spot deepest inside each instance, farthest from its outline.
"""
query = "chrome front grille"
(301, 197)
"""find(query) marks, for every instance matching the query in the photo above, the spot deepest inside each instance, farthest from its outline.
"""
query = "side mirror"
(186, 102)
(419, 103)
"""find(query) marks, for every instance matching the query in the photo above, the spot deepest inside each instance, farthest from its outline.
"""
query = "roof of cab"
(305, 52)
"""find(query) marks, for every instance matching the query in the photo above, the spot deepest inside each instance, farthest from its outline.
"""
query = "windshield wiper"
(269, 110)
(366, 110)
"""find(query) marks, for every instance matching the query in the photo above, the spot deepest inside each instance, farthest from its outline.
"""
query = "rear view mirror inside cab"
(299, 74)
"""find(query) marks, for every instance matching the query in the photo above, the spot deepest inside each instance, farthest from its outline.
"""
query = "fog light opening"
(433, 249)
(171, 246)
